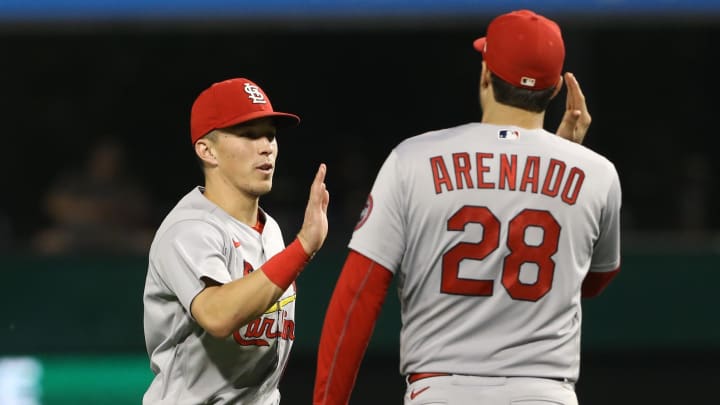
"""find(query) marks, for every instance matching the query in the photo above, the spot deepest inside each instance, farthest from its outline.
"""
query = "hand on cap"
(576, 120)
(315, 225)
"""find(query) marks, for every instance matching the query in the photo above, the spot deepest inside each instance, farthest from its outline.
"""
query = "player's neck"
(240, 206)
(501, 114)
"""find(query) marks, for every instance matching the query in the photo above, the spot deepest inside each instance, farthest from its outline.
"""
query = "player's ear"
(485, 81)
(204, 149)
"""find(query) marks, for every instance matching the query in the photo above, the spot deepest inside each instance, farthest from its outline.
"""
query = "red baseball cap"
(523, 48)
(231, 102)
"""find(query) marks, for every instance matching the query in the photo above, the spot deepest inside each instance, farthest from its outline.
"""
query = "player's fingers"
(325, 201)
(576, 102)
(575, 96)
(318, 190)
(320, 174)
(578, 127)
(565, 129)
(571, 90)
(570, 127)
(576, 86)
(319, 180)
(571, 118)
(321, 192)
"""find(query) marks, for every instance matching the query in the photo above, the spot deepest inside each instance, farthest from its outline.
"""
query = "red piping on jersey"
(259, 227)
(260, 224)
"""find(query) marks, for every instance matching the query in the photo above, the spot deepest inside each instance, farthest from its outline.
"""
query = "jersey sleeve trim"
(371, 255)
(595, 282)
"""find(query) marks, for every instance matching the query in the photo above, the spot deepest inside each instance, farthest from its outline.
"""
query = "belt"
(411, 378)
(419, 376)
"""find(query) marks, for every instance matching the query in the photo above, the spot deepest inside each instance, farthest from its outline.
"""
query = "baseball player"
(493, 231)
(219, 300)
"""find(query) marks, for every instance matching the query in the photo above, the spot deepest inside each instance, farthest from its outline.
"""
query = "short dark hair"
(531, 100)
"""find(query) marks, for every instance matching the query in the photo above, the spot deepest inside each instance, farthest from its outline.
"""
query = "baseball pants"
(471, 390)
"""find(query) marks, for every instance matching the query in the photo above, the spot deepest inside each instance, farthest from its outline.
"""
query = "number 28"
(520, 252)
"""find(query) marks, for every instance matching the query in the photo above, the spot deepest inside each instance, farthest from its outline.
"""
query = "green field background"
(80, 319)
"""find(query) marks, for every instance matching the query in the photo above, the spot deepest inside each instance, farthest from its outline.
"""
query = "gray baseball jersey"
(198, 239)
(490, 231)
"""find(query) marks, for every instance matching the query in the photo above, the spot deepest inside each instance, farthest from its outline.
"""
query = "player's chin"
(262, 187)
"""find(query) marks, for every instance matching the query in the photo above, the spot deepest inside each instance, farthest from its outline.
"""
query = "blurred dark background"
(95, 129)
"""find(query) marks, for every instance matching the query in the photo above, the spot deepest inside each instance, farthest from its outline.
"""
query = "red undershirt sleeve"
(595, 282)
(349, 322)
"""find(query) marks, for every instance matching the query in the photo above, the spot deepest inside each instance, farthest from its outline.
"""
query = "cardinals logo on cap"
(255, 94)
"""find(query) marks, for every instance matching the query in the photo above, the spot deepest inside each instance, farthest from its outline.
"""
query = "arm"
(595, 282)
(349, 322)
(223, 308)
(605, 263)
(576, 120)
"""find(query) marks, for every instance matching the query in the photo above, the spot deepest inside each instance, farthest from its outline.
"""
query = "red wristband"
(283, 268)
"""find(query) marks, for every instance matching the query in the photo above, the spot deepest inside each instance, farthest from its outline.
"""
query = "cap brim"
(479, 44)
(282, 120)
(285, 120)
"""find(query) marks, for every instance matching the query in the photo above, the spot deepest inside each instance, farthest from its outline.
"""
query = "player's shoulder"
(582, 152)
(193, 206)
(192, 214)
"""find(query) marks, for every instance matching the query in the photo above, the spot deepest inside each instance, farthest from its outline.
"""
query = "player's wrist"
(307, 247)
(283, 268)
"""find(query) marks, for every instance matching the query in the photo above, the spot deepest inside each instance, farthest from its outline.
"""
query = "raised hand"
(576, 120)
(315, 225)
